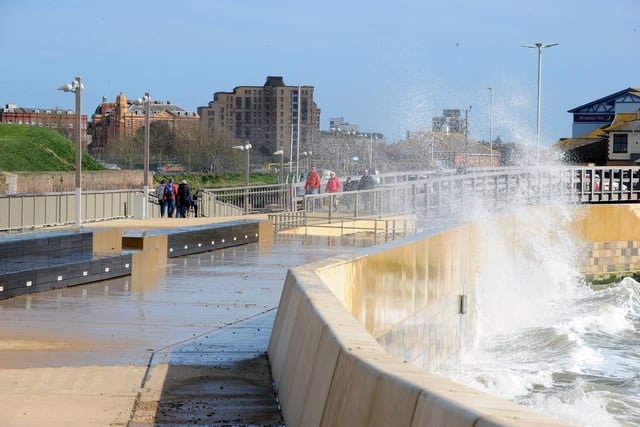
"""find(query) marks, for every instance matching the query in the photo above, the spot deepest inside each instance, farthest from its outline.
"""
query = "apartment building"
(116, 121)
(270, 117)
(61, 120)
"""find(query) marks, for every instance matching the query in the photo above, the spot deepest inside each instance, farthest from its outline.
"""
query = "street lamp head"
(72, 87)
(66, 88)
(278, 153)
(139, 101)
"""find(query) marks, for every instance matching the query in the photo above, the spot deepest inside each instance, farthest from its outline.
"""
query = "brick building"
(53, 118)
(269, 116)
(116, 121)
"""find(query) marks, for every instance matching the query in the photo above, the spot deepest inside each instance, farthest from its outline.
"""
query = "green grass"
(31, 149)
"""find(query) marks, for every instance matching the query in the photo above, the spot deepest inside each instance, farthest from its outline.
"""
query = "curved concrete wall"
(329, 368)
(355, 337)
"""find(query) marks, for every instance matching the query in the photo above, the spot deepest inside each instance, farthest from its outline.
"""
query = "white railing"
(431, 195)
(39, 210)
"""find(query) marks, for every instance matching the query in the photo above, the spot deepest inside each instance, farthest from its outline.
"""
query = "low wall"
(51, 182)
(612, 236)
(325, 350)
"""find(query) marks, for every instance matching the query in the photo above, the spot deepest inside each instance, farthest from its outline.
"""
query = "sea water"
(547, 340)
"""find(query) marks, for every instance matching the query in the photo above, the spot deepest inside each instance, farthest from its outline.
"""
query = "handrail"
(431, 195)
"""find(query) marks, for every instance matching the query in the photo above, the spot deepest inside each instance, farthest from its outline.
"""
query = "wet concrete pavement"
(185, 347)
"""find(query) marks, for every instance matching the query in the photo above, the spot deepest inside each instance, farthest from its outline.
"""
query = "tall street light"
(466, 134)
(281, 154)
(246, 147)
(371, 150)
(306, 155)
(147, 108)
(76, 86)
(539, 46)
(490, 126)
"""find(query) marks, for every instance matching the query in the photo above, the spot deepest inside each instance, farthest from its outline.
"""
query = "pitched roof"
(625, 122)
(608, 99)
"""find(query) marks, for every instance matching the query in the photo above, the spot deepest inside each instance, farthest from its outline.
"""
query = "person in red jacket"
(333, 186)
(312, 184)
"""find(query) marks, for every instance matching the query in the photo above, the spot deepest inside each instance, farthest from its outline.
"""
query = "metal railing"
(252, 199)
(431, 196)
(448, 197)
(39, 210)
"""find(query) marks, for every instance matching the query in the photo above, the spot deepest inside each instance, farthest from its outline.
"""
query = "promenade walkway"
(187, 347)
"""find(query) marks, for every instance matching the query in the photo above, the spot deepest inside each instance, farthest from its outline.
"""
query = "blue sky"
(386, 66)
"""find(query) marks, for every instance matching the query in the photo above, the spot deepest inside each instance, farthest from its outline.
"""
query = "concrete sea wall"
(355, 337)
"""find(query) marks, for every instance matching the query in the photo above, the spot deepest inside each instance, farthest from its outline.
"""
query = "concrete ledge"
(51, 260)
(56, 259)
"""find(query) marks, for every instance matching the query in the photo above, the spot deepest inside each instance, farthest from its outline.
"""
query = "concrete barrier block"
(265, 232)
(107, 241)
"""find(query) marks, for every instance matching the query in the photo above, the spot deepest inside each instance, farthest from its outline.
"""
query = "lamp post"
(466, 134)
(147, 107)
(539, 46)
(306, 155)
(281, 154)
(490, 127)
(246, 147)
(371, 149)
(76, 86)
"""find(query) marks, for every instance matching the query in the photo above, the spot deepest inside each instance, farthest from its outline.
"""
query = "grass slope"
(28, 149)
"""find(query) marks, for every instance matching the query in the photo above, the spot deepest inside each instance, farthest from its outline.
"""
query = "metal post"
(78, 91)
(539, 46)
(491, 127)
(147, 107)
(246, 180)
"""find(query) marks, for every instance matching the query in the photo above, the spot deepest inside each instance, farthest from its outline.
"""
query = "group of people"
(312, 184)
(176, 199)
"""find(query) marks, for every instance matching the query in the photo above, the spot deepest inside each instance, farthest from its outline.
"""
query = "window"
(620, 143)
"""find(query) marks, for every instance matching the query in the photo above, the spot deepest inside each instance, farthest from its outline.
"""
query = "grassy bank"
(33, 149)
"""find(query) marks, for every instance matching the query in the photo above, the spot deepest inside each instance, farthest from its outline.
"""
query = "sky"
(388, 67)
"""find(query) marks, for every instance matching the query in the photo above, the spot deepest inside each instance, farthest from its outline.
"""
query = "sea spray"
(544, 338)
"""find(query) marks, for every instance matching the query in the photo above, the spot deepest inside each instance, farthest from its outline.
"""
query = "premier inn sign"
(590, 118)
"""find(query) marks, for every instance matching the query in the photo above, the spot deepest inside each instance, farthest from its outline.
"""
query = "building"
(429, 150)
(606, 131)
(347, 150)
(450, 121)
(601, 112)
(271, 117)
(116, 121)
(54, 118)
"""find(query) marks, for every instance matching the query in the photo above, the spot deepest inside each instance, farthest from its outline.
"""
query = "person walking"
(170, 191)
(367, 182)
(161, 200)
(312, 184)
(333, 186)
(184, 201)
